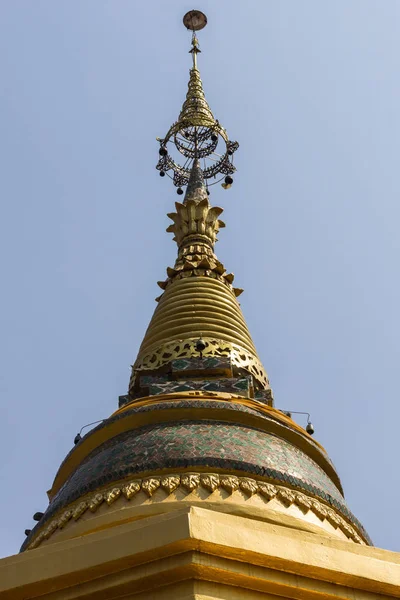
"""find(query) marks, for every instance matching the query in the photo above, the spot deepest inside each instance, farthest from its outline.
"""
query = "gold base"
(194, 553)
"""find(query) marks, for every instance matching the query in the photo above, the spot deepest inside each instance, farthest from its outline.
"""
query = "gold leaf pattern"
(210, 481)
(131, 489)
(195, 218)
(302, 501)
(287, 497)
(63, 520)
(113, 495)
(333, 518)
(319, 509)
(79, 510)
(267, 490)
(230, 483)
(50, 529)
(95, 502)
(248, 485)
(150, 485)
(190, 481)
(170, 483)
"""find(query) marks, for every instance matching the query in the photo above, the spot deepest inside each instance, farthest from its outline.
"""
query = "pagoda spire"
(198, 300)
(197, 430)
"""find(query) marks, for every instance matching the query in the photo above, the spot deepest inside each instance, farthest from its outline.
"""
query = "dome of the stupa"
(205, 448)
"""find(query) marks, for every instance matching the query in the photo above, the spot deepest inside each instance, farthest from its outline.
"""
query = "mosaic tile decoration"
(192, 402)
(191, 444)
(263, 396)
(218, 365)
(228, 385)
(122, 400)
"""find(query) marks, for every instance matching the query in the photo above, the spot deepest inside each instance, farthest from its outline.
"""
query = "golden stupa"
(197, 487)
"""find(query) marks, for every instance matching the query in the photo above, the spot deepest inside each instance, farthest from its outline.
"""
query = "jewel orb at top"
(195, 20)
(196, 135)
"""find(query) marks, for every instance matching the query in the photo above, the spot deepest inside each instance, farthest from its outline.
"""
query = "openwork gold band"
(240, 357)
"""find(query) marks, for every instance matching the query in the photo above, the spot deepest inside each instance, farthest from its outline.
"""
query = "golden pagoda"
(197, 487)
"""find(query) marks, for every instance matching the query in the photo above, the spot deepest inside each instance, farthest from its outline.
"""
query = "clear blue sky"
(311, 90)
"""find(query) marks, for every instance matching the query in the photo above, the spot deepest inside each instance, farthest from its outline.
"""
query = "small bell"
(179, 191)
(200, 346)
(228, 182)
(310, 428)
(162, 173)
(163, 151)
(214, 137)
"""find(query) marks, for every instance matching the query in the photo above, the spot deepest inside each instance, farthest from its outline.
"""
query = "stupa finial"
(196, 136)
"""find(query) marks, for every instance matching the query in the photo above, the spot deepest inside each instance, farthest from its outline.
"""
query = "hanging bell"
(214, 137)
(310, 428)
(163, 151)
(227, 182)
(200, 346)
(179, 191)
(162, 173)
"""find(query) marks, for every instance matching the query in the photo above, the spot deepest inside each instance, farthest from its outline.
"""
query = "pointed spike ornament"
(196, 189)
(196, 135)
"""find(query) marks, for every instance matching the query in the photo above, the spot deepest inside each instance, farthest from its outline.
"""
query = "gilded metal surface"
(196, 134)
(195, 109)
(249, 486)
(150, 485)
(169, 483)
(131, 489)
(193, 218)
(241, 358)
(196, 258)
(113, 495)
(196, 307)
(230, 483)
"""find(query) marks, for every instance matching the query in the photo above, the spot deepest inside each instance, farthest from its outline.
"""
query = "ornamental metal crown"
(196, 135)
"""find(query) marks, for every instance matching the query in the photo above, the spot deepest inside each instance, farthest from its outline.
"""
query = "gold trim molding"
(169, 483)
(161, 355)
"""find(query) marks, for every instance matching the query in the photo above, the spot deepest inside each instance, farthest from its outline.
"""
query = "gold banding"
(199, 307)
(195, 110)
